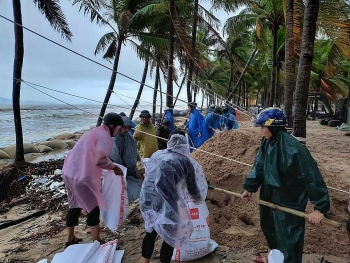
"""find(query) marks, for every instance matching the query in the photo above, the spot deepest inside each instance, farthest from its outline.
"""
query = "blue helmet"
(271, 117)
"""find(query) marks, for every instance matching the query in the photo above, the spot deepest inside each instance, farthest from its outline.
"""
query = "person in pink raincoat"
(82, 171)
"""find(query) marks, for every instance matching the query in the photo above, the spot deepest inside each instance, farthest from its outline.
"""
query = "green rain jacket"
(288, 176)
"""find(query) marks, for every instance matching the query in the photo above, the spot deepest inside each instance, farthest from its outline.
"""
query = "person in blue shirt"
(133, 124)
(213, 121)
(231, 109)
(229, 120)
(211, 109)
(195, 126)
(169, 117)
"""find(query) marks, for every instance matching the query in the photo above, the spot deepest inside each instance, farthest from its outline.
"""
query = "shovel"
(324, 221)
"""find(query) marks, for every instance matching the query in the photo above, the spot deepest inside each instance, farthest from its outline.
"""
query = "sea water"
(42, 122)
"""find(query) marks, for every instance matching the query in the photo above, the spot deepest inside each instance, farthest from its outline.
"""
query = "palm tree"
(122, 17)
(53, 13)
(325, 76)
(261, 15)
(333, 22)
(289, 62)
(305, 66)
(193, 47)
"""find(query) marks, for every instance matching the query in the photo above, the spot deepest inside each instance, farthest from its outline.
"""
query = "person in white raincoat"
(170, 183)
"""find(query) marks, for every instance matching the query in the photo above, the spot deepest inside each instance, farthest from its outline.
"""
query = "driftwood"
(20, 220)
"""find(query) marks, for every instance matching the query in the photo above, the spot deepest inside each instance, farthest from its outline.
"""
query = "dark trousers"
(93, 218)
(166, 250)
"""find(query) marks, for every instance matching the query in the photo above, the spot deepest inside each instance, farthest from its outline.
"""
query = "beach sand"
(234, 225)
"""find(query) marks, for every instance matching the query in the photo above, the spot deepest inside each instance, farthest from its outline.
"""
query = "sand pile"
(236, 224)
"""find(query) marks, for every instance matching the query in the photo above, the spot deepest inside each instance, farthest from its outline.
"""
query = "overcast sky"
(49, 65)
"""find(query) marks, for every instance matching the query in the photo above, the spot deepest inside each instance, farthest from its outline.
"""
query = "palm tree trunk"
(180, 87)
(17, 74)
(229, 91)
(195, 87)
(305, 64)
(161, 95)
(202, 100)
(111, 82)
(169, 89)
(243, 72)
(289, 83)
(274, 68)
(193, 49)
(142, 84)
(278, 91)
(155, 93)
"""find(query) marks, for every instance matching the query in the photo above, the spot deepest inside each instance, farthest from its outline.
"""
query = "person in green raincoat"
(288, 176)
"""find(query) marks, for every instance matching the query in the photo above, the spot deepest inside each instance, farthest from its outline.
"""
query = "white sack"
(200, 243)
(115, 196)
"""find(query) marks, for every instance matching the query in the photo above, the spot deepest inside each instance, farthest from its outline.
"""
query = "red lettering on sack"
(194, 213)
(177, 255)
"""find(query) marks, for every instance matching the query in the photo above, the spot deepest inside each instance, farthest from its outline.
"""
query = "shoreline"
(54, 148)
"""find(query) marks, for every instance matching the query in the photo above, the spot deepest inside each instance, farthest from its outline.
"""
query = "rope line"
(197, 149)
(100, 64)
(69, 94)
(91, 60)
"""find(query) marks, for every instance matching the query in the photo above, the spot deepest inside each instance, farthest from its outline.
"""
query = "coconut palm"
(325, 76)
(305, 65)
(293, 17)
(333, 22)
(127, 26)
(53, 13)
(263, 16)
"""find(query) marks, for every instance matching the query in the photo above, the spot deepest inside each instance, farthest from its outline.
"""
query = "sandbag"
(56, 145)
(89, 253)
(44, 148)
(200, 243)
(4, 155)
(114, 192)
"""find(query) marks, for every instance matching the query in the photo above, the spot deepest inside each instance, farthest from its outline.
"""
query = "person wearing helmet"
(288, 176)
(124, 152)
(229, 120)
(82, 171)
(144, 134)
(213, 121)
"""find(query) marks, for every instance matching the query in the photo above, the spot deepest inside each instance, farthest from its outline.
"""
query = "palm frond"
(158, 42)
(340, 87)
(92, 8)
(334, 20)
(105, 41)
(209, 17)
(111, 51)
(54, 14)
(141, 51)
(334, 58)
(229, 5)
